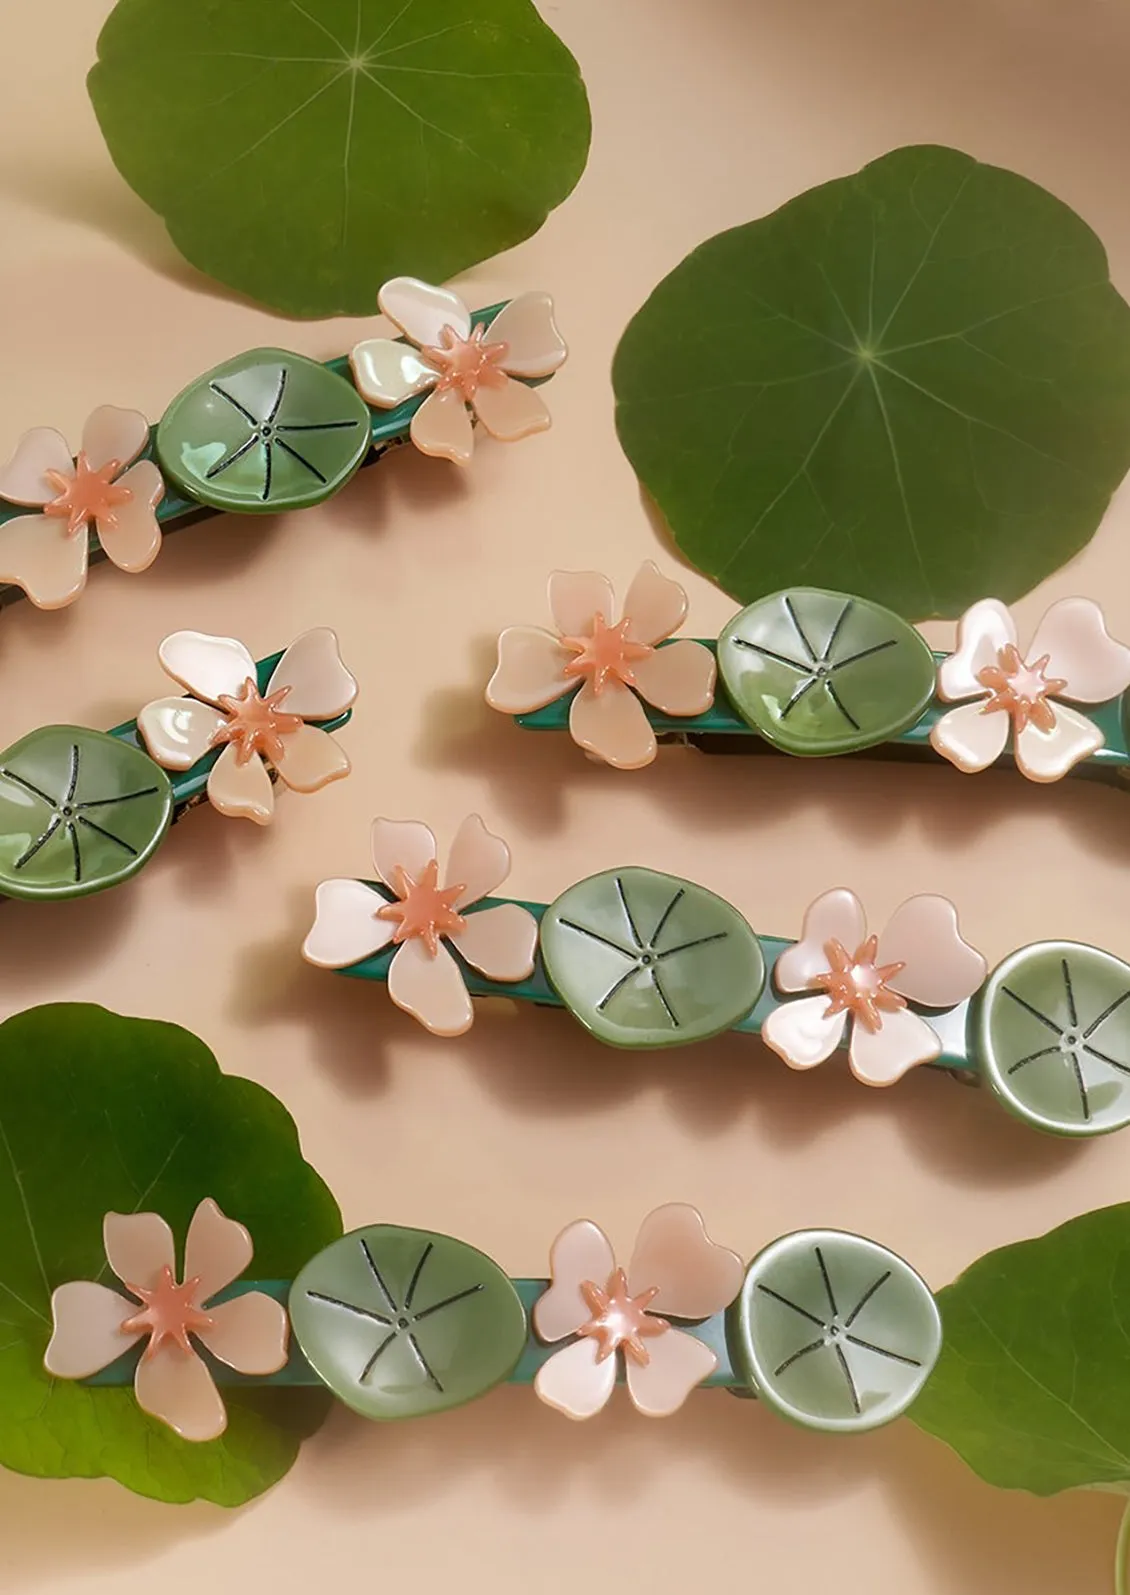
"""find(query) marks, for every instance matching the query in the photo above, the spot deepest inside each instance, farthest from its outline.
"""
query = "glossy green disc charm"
(815, 672)
(1051, 1032)
(79, 811)
(833, 1331)
(400, 1322)
(647, 960)
(266, 431)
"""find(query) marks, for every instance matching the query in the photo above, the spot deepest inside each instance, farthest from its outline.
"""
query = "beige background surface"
(706, 114)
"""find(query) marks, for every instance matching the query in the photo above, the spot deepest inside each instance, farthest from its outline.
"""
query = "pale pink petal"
(430, 988)
(403, 844)
(131, 534)
(478, 862)
(310, 759)
(423, 311)
(581, 1254)
(23, 479)
(317, 682)
(210, 667)
(530, 672)
(250, 1333)
(655, 606)
(139, 1247)
(576, 597)
(510, 410)
(1048, 755)
(883, 1056)
(534, 347)
(442, 427)
(803, 1032)
(970, 738)
(217, 1250)
(38, 554)
(613, 725)
(87, 1334)
(500, 943)
(177, 1388)
(695, 1276)
(677, 1362)
(386, 372)
(574, 1382)
(113, 434)
(179, 731)
(346, 928)
(241, 791)
(834, 916)
(982, 632)
(1082, 652)
(940, 968)
(677, 679)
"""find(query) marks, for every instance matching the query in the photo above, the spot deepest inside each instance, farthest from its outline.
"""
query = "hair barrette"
(645, 960)
(272, 430)
(817, 673)
(84, 810)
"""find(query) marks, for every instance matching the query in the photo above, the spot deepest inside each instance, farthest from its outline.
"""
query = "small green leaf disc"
(1051, 1033)
(401, 1322)
(647, 960)
(79, 811)
(266, 431)
(816, 672)
(833, 1331)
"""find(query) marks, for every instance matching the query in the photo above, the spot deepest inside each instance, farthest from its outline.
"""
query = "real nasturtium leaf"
(912, 384)
(305, 153)
(1031, 1389)
(97, 1114)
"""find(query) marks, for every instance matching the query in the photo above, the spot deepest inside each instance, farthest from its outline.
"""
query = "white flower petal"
(510, 410)
(534, 346)
(139, 1247)
(22, 479)
(386, 372)
(422, 311)
(319, 687)
(131, 534)
(695, 1276)
(177, 1388)
(113, 434)
(676, 1364)
(38, 554)
(346, 928)
(940, 969)
(678, 679)
(407, 844)
(802, 1032)
(834, 916)
(576, 597)
(530, 672)
(970, 738)
(217, 1250)
(310, 759)
(613, 725)
(574, 1382)
(655, 606)
(442, 428)
(479, 861)
(241, 791)
(500, 943)
(1048, 755)
(430, 988)
(883, 1056)
(582, 1253)
(250, 1333)
(1082, 652)
(87, 1334)
(982, 632)
(209, 667)
(178, 731)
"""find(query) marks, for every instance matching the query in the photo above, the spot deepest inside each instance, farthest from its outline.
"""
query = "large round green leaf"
(303, 154)
(909, 384)
(100, 1113)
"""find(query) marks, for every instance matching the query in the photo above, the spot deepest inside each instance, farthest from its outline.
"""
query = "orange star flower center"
(858, 985)
(620, 1319)
(87, 495)
(170, 1312)
(424, 909)
(1021, 690)
(607, 654)
(255, 724)
(467, 364)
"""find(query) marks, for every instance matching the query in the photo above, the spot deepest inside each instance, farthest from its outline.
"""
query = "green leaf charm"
(834, 1331)
(908, 383)
(107, 1114)
(1052, 1037)
(402, 1322)
(79, 811)
(264, 432)
(818, 673)
(1031, 1389)
(647, 960)
(304, 154)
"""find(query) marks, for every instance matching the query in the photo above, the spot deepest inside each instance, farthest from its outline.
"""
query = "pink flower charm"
(867, 979)
(463, 365)
(1071, 656)
(46, 554)
(227, 710)
(423, 919)
(94, 1325)
(610, 662)
(675, 1270)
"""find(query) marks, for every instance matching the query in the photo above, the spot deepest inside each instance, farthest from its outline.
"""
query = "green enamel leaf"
(304, 154)
(833, 1331)
(100, 1113)
(1031, 1389)
(79, 811)
(818, 673)
(908, 384)
(403, 1322)
(647, 960)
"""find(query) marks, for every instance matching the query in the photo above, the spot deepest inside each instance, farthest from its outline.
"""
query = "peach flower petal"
(883, 1056)
(407, 844)
(970, 738)
(803, 1032)
(241, 791)
(511, 411)
(940, 968)
(534, 346)
(982, 632)
(655, 606)
(575, 597)
(834, 916)
(177, 1388)
(695, 1276)
(217, 1249)
(1082, 651)
(574, 1382)
(139, 1247)
(38, 554)
(23, 479)
(676, 1364)
(613, 725)
(422, 311)
(386, 372)
(310, 759)
(132, 539)
(530, 672)
(1048, 755)
(178, 731)
(479, 861)
(113, 434)
(430, 988)
(250, 1333)
(319, 686)
(500, 943)
(678, 679)
(208, 667)
(346, 928)
(442, 427)
(87, 1334)
(582, 1252)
